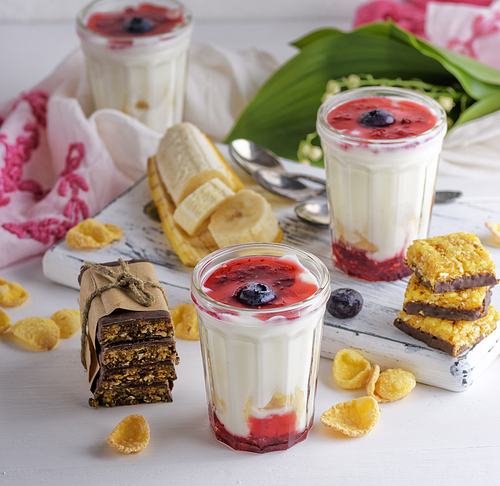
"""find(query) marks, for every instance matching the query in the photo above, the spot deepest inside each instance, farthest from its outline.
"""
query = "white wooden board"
(371, 331)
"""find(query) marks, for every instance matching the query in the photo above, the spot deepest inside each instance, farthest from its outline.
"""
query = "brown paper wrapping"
(112, 299)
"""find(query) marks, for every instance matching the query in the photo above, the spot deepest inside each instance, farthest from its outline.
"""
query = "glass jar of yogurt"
(381, 149)
(260, 315)
(136, 57)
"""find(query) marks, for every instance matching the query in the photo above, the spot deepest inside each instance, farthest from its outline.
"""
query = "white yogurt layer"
(145, 79)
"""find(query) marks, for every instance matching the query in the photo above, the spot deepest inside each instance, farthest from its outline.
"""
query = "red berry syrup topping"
(145, 19)
(278, 274)
(410, 118)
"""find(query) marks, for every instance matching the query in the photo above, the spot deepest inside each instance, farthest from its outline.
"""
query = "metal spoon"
(317, 213)
(252, 158)
(313, 212)
(289, 186)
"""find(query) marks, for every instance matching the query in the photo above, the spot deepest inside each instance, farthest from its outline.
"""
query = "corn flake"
(39, 333)
(5, 321)
(353, 418)
(130, 435)
(90, 234)
(185, 322)
(350, 369)
(68, 322)
(495, 230)
(390, 385)
(12, 294)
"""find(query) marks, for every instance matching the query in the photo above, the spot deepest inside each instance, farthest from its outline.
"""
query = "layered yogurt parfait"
(381, 149)
(136, 57)
(260, 314)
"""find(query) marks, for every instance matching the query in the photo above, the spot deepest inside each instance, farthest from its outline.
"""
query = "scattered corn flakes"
(353, 418)
(90, 234)
(185, 322)
(39, 333)
(390, 385)
(68, 322)
(12, 294)
(495, 230)
(350, 369)
(5, 321)
(130, 435)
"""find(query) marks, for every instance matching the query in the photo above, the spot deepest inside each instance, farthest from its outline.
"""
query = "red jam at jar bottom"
(357, 263)
(269, 434)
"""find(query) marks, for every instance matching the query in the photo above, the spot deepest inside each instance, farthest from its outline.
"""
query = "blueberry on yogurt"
(344, 303)
(138, 25)
(254, 294)
(377, 118)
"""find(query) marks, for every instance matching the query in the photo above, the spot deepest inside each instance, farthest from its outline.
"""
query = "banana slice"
(187, 159)
(245, 218)
(193, 212)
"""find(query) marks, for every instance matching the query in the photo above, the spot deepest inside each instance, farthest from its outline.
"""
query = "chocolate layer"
(470, 282)
(131, 395)
(433, 341)
(122, 326)
(146, 374)
(449, 313)
(132, 354)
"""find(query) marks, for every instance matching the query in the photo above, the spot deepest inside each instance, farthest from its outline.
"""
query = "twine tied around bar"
(123, 280)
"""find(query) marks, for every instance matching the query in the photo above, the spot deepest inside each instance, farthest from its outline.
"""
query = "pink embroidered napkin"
(60, 162)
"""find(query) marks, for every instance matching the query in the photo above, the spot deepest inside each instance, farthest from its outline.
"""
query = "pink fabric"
(410, 15)
(56, 167)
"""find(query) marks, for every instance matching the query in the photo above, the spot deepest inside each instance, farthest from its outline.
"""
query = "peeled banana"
(193, 212)
(187, 159)
(245, 218)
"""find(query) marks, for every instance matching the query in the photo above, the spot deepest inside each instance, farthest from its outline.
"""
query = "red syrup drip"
(269, 434)
(357, 263)
(410, 118)
(111, 24)
(275, 272)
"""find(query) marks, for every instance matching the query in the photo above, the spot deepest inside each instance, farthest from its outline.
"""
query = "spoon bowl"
(314, 212)
(289, 186)
(252, 157)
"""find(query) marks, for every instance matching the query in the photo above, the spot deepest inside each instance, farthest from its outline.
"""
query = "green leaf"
(484, 106)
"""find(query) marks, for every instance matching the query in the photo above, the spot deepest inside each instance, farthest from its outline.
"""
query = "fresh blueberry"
(376, 118)
(344, 303)
(255, 294)
(138, 25)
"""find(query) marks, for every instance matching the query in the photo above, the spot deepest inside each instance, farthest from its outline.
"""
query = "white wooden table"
(49, 435)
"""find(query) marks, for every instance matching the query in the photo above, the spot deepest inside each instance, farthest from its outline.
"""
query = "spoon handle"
(307, 177)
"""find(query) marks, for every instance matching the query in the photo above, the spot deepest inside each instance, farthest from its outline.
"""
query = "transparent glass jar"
(380, 191)
(261, 364)
(141, 75)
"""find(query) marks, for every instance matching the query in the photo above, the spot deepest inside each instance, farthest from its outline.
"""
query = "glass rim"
(319, 295)
(176, 31)
(374, 91)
